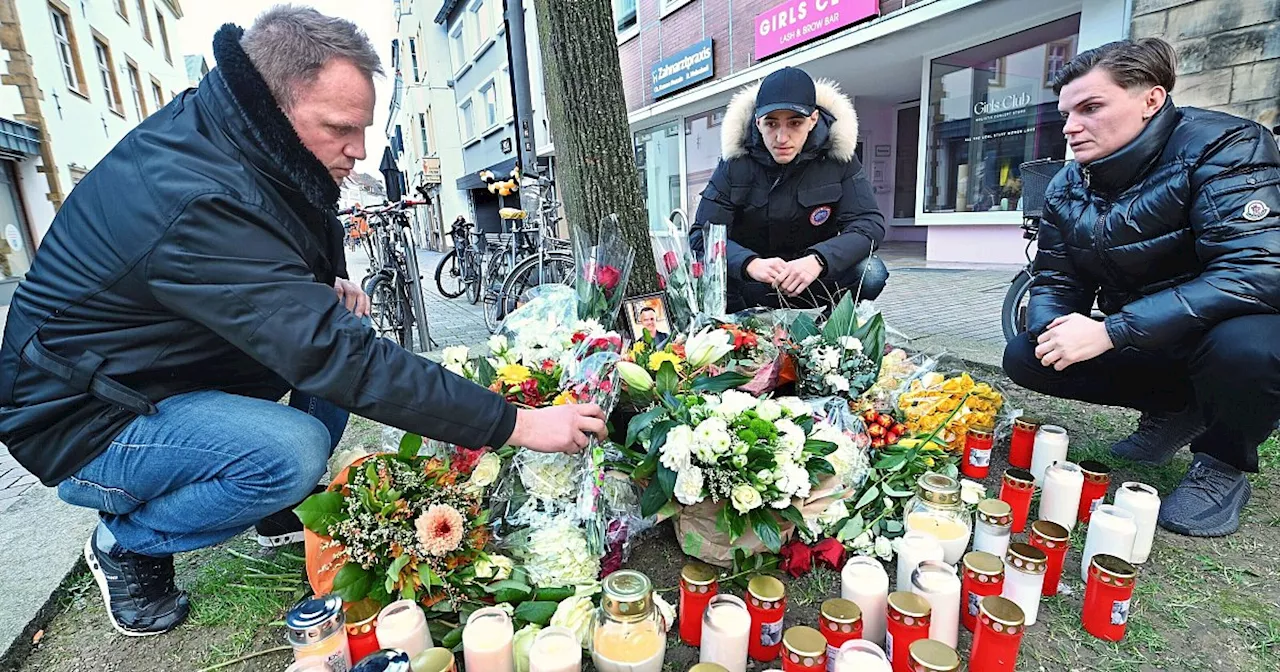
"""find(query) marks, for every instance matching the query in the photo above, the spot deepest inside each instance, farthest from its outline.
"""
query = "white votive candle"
(1111, 531)
(726, 629)
(860, 655)
(555, 649)
(1050, 447)
(952, 533)
(402, 625)
(486, 641)
(864, 582)
(1060, 500)
(914, 548)
(937, 583)
(1024, 568)
(1143, 502)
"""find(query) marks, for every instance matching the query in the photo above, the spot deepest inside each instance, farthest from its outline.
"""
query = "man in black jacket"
(193, 278)
(1170, 219)
(796, 199)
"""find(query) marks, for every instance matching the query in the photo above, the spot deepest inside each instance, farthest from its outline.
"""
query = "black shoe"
(1208, 501)
(279, 529)
(137, 589)
(1160, 435)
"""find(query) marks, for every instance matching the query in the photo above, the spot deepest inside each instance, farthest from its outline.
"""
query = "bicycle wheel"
(1013, 316)
(386, 310)
(492, 281)
(549, 268)
(471, 275)
(449, 276)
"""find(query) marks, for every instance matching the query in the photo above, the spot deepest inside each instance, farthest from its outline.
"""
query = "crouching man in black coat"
(802, 220)
(1170, 219)
(193, 278)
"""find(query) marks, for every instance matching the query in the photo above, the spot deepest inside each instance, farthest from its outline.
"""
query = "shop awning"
(500, 171)
(18, 139)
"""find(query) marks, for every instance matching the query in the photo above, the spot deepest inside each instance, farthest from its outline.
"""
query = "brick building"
(952, 95)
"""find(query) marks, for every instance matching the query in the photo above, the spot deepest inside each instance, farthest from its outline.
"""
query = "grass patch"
(819, 585)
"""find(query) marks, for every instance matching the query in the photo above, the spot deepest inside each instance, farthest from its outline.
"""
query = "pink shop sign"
(798, 21)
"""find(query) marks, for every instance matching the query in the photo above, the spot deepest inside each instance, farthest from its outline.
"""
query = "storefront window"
(658, 158)
(701, 153)
(15, 247)
(991, 108)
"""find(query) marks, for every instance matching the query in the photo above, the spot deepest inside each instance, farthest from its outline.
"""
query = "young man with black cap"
(803, 222)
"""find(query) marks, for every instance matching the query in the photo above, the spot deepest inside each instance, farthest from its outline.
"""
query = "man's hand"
(766, 270)
(799, 274)
(350, 294)
(1071, 339)
(558, 429)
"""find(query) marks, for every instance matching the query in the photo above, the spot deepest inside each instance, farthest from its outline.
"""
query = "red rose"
(797, 559)
(464, 459)
(578, 337)
(830, 552)
(669, 260)
(608, 277)
(697, 269)
(662, 282)
(548, 365)
(719, 249)
(530, 390)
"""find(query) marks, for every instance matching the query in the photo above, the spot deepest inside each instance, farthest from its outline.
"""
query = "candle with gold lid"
(1016, 488)
(766, 602)
(994, 527)
(983, 576)
(1107, 595)
(1022, 441)
(803, 650)
(1024, 567)
(707, 667)
(839, 620)
(1001, 624)
(698, 584)
(930, 655)
(909, 619)
(1097, 478)
(438, 659)
(976, 461)
(630, 634)
(1053, 540)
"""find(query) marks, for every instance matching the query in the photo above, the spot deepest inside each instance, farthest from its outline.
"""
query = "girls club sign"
(798, 21)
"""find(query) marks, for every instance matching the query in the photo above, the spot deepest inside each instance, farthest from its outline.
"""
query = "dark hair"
(648, 308)
(1145, 63)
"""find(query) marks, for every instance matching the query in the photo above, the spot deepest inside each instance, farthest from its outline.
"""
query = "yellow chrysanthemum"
(563, 398)
(638, 347)
(514, 374)
(656, 360)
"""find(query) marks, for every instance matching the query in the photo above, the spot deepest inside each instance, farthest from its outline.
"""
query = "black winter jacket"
(819, 202)
(1173, 234)
(200, 254)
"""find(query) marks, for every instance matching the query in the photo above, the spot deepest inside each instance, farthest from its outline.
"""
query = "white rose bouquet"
(843, 357)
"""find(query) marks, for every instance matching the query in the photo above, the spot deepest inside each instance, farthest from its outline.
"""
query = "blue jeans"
(205, 467)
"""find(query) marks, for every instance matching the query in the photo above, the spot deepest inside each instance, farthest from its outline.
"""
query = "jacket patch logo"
(820, 215)
(1255, 210)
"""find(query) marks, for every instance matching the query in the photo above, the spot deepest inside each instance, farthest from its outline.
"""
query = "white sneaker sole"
(91, 559)
(280, 540)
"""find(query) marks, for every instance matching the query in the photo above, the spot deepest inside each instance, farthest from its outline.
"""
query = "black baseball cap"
(787, 89)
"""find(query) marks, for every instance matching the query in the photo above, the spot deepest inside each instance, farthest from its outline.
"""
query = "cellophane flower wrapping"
(678, 274)
(603, 269)
(712, 277)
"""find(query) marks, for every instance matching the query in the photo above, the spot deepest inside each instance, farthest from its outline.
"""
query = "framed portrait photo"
(647, 315)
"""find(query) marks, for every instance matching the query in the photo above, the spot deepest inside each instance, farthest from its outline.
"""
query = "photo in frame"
(648, 313)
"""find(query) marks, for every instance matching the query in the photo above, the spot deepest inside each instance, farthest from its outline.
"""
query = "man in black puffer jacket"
(1170, 219)
(802, 220)
(194, 277)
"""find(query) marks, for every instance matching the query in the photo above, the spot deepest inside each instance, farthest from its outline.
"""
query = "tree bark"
(595, 156)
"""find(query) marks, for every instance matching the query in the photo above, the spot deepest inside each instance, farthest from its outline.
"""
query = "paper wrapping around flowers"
(322, 553)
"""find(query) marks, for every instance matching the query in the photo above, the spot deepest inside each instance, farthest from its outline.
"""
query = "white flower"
(745, 498)
(578, 614)
(781, 503)
(707, 347)
(815, 528)
(688, 488)
(588, 327)
(765, 476)
(739, 461)
(522, 643)
(635, 377)
(884, 549)
(668, 612)
(769, 410)
(557, 554)
(863, 541)
(497, 344)
(712, 435)
(790, 436)
(456, 354)
(834, 513)
(494, 566)
(972, 492)
(734, 403)
(794, 407)
(678, 449)
(850, 343)
(826, 358)
(486, 471)
(810, 340)
(797, 480)
(836, 382)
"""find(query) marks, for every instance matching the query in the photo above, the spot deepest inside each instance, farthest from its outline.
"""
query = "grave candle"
(1053, 540)
(1016, 488)
(860, 655)
(698, 584)
(839, 621)
(994, 527)
(1097, 478)
(1106, 597)
(1022, 442)
(555, 649)
(1024, 567)
(1143, 502)
(486, 641)
(983, 577)
(865, 583)
(937, 582)
(908, 621)
(402, 625)
(1112, 532)
(930, 655)
(915, 547)
(1060, 500)
(726, 628)
(1050, 448)
(998, 636)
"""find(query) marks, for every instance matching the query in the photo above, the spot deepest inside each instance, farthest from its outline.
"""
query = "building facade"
(952, 95)
(78, 77)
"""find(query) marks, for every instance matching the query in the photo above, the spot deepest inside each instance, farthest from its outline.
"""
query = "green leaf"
(658, 437)
(872, 335)
(852, 528)
(484, 372)
(819, 448)
(520, 575)
(642, 422)
(819, 466)
(793, 515)
(891, 462)
(894, 491)
(555, 594)
(766, 527)
(803, 327)
(867, 497)
(725, 381)
(410, 444)
(723, 523)
(379, 593)
(393, 572)
(352, 582)
(667, 479)
(428, 577)
(321, 510)
(408, 593)
(653, 499)
(843, 320)
(453, 639)
(893, 526)
(518, 587)
(536, 612)
(646, 468)
(737, 523)
(668, 381)
(805, 423)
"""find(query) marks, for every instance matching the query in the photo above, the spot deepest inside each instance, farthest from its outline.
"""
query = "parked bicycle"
(531, 255)
(458, 272)
(394, 283)
(1036, 176)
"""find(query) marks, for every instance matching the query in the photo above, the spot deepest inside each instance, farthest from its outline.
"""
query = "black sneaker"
(137, 589)
(1160, 435)
(279, 529)
(1208, 501)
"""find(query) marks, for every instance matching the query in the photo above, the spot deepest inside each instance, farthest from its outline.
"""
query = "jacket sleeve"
(1235, 218)
(1057, 288)
(716, 207)
(223, 265)
(861, 224)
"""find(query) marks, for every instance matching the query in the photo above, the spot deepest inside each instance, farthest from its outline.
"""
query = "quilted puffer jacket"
(1173, 234)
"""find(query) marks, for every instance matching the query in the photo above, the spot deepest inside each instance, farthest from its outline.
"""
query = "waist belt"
(82, 375)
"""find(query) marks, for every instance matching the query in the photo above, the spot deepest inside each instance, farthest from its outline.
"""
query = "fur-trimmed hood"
(739, 134)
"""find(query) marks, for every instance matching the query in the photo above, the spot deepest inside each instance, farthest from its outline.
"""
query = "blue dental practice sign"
(683, 69)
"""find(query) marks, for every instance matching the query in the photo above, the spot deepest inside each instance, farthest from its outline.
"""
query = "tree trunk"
(595, 158)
